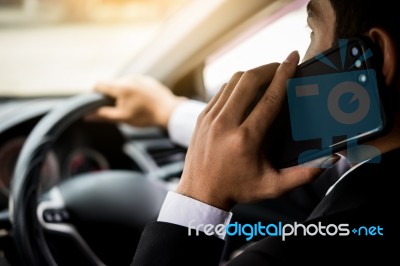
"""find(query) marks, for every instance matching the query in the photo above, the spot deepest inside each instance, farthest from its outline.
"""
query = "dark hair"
(355, 17)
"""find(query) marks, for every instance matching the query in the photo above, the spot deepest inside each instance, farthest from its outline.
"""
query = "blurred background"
(42, 11)
(62, 46)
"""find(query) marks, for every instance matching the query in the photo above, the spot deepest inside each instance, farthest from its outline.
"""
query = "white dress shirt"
(183, 120)
(181, 210)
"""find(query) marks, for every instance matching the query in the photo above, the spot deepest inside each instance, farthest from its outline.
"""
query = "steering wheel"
(115, 203)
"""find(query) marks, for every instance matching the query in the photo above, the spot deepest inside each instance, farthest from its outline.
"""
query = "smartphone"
(334, 99)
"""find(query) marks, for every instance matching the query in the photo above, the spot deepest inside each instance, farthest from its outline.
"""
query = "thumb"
(296, 176)
(110, 113)
(302, 174)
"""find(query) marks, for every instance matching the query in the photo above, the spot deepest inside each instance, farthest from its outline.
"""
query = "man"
(224, 165)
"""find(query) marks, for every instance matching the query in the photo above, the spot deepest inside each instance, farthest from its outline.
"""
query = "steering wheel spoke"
(95, 209)
(53, 216)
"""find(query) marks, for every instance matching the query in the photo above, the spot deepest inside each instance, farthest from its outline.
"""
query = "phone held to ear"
(335, 101)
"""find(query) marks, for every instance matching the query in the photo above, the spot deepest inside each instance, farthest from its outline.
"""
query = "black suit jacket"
(368, 196)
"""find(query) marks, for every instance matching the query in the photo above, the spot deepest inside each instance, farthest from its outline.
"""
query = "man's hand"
(140, 101)
(225, 164)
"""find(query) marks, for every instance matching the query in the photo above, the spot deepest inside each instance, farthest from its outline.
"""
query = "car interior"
(79, 191)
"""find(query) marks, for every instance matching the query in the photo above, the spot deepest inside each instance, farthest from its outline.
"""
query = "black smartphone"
(333, 100)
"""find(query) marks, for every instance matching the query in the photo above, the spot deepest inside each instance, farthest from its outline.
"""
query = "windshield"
(62, 47)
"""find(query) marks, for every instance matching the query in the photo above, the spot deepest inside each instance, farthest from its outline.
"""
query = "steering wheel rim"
(23, 202)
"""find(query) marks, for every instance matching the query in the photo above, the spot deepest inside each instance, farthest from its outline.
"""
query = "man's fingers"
(296, 176)
(214, 99)
(288, 179)
(226, 93)
(292, 177)
(106, 89)
(110, 113)
(247, 89)
(270, 103)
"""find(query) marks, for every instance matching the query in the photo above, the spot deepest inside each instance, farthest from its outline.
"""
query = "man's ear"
(389, 52)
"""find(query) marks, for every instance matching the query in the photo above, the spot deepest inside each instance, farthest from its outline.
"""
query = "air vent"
(160, 157)
(166, 155)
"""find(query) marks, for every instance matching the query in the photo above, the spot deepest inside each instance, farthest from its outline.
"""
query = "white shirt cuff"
(183, 120)
(184, 211)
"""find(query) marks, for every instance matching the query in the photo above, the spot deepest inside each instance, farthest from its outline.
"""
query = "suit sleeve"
(163, 244)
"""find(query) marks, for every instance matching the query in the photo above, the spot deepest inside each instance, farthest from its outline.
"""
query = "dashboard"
(86, 146)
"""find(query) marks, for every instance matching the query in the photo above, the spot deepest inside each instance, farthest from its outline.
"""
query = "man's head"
(355, 17)
(331, 20)
(334, 19)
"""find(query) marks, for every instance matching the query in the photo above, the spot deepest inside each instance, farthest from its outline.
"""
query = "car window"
(270, 42)
(62, 47)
